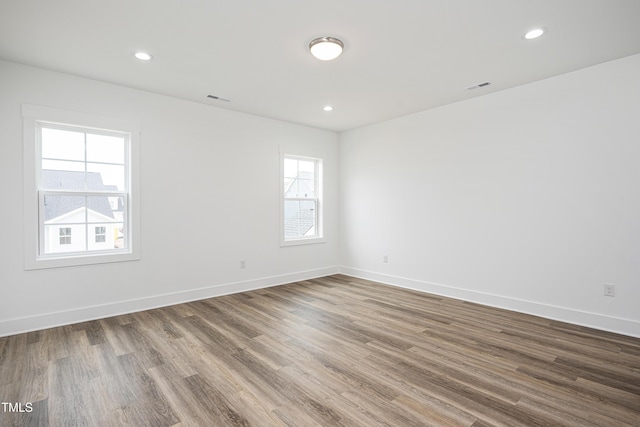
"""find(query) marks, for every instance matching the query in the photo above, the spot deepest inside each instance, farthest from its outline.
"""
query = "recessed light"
(535, 33)
(326, 48)
(143, 56)
(327, 108)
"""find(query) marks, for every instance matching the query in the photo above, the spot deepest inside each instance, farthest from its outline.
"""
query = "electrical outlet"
(243, 264)
(385, 259)
(609, 290)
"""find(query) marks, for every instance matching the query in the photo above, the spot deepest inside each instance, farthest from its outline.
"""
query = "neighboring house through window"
(80, 190)
(78, 211)
(301, 204)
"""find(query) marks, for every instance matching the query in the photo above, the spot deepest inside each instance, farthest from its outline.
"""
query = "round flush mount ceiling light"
(326, 48)
(534, 34)
(143, 56)
(327, 108)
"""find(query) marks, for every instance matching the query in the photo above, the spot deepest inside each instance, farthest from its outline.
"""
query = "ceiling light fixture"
(535, 33)
(327, 108)
(326, 48)
(143, 56)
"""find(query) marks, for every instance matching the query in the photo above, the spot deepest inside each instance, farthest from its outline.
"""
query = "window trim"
(318, 182)
(33, 115)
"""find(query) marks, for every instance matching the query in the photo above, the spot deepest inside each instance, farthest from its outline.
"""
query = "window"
(65, 236)
(301, 200)
(80, 182)
(101, 234)
(82, 178)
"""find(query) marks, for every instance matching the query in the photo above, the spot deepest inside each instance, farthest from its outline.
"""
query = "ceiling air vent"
(472, 87)
(218, 98)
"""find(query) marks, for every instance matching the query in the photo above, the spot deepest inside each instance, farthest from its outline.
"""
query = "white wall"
(527, 198)
(209, 190)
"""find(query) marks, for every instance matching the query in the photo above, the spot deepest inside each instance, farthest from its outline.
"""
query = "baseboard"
(593, 320)
(83, 314)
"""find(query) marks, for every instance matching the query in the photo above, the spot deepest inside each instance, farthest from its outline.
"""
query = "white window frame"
(318, 182)
(34, 117)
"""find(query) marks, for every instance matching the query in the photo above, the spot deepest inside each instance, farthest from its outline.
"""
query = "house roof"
(56, 206)
(299, 222)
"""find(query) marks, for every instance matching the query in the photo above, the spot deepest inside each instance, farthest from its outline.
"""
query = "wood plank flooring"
(335, 351)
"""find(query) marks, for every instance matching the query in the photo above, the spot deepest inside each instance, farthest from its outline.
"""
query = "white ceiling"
(400, 56)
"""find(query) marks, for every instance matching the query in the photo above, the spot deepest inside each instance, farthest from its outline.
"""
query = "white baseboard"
(593, 320)
(49, 320)
(83, 314)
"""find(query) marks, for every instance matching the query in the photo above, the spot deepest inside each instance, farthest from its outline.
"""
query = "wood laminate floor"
(326, 352)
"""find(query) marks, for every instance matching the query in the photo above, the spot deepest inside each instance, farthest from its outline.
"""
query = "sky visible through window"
(85, 152)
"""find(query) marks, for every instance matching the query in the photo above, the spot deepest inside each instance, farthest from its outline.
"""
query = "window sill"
(72, 261)
(303, 241)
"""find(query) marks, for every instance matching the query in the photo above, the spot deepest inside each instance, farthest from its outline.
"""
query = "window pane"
(65, 235)
(300, 188)
(59, 209)
(117, 205)
(306, 167)
(287, 187)
(106, 236)
(306, 188)
(299, 218)
(64, 238)
(105, 177)
(62, 144)
(100, 234)
(106, 213)
(290, 168)
(60, 175)
(299, 178)
(105, 149)
(100, 210)
(62, 165)
(81, 223)
(118, 235)
(292, 189)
